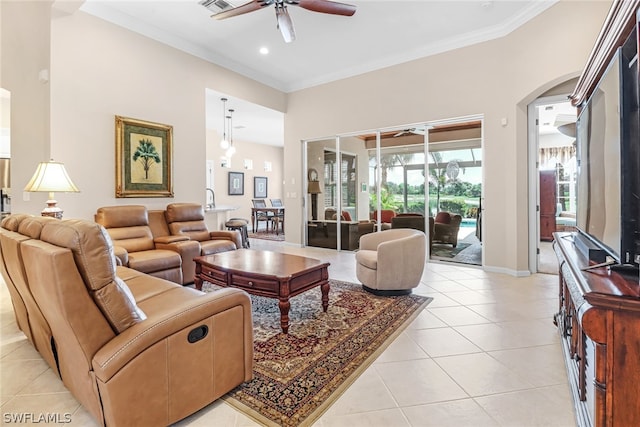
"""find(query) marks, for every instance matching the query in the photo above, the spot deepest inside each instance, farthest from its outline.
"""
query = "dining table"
(277, 216)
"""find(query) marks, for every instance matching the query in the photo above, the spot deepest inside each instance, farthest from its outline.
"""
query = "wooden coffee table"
(265, 273)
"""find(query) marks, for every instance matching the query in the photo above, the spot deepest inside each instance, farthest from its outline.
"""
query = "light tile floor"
(483, 353)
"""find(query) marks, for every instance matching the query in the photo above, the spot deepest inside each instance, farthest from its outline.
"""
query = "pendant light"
(224, 144)
(231, 150)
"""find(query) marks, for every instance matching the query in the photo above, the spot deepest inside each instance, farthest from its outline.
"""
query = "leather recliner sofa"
(29, 317)
(133, 349)
(135, 245)
(187, 219)
(144, 242)
(167, 226)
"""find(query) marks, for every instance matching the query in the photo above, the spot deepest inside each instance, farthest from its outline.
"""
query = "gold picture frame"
(144, 152)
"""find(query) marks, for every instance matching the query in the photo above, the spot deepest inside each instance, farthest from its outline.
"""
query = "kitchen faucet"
(213, 199)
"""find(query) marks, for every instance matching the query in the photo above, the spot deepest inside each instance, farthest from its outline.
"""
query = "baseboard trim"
(510, 272)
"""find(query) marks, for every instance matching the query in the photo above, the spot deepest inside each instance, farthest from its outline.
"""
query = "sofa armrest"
(122, 256)
(126, 346)
(170, 239)
(188, 250)
(232, 235)
(184, 247)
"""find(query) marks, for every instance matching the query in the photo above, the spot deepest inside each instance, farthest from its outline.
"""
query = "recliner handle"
(198, 333)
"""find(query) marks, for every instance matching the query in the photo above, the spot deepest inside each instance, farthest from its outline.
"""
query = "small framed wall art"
(259, 187)
(236, 183)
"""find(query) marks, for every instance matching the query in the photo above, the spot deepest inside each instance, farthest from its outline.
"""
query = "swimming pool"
(468, 222)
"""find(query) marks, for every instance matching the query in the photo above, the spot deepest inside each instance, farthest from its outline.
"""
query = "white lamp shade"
(51, 177)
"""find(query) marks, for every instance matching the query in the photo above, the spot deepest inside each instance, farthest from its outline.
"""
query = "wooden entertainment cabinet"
(599, 324)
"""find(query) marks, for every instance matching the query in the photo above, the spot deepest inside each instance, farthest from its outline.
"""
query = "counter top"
(221, 208)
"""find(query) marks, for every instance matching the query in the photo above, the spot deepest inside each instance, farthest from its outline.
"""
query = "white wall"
(258, 153)
(99, 70)
(25, 52)
(496, 78)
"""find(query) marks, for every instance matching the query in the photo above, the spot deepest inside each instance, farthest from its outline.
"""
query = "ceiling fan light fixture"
(285, 24)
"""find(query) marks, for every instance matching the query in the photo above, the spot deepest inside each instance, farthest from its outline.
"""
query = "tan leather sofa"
(143, 241)
(132, 348)
(129, 229)
(391, 262)
(187, 219)
(13, 232)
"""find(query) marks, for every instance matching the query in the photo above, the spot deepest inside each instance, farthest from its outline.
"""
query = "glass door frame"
(428, 125)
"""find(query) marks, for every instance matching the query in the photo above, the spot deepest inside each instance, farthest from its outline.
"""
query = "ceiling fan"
(282, 15)
(410, 131)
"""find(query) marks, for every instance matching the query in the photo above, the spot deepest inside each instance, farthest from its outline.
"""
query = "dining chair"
(278, 216)
(257, 215)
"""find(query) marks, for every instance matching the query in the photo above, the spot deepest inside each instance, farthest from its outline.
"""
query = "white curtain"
(549, 157)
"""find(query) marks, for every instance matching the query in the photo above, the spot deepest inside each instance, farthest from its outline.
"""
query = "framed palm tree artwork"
(143, 158)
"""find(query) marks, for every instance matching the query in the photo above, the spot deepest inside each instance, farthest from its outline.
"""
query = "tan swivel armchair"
(391, 262)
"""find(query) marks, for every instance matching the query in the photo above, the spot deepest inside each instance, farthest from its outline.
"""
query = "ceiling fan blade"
(241, 10)
(326, 6)
(285, 24)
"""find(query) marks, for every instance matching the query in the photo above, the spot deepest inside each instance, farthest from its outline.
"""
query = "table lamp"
(51, 177)
(314, 190)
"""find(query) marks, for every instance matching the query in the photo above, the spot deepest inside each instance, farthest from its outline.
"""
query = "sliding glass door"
(455, 189)
(401, 177)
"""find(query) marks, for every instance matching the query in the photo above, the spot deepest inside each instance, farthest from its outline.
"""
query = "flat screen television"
(608, 187)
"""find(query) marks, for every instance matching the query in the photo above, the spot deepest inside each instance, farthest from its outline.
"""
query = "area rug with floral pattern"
(297, 376)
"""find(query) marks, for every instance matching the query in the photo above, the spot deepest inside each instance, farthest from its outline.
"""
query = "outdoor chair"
(446, 227)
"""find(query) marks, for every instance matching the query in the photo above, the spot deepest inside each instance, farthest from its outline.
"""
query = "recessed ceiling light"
(264, 50)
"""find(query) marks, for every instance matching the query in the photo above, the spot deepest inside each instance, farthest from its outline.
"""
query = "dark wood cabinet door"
(547, 204)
